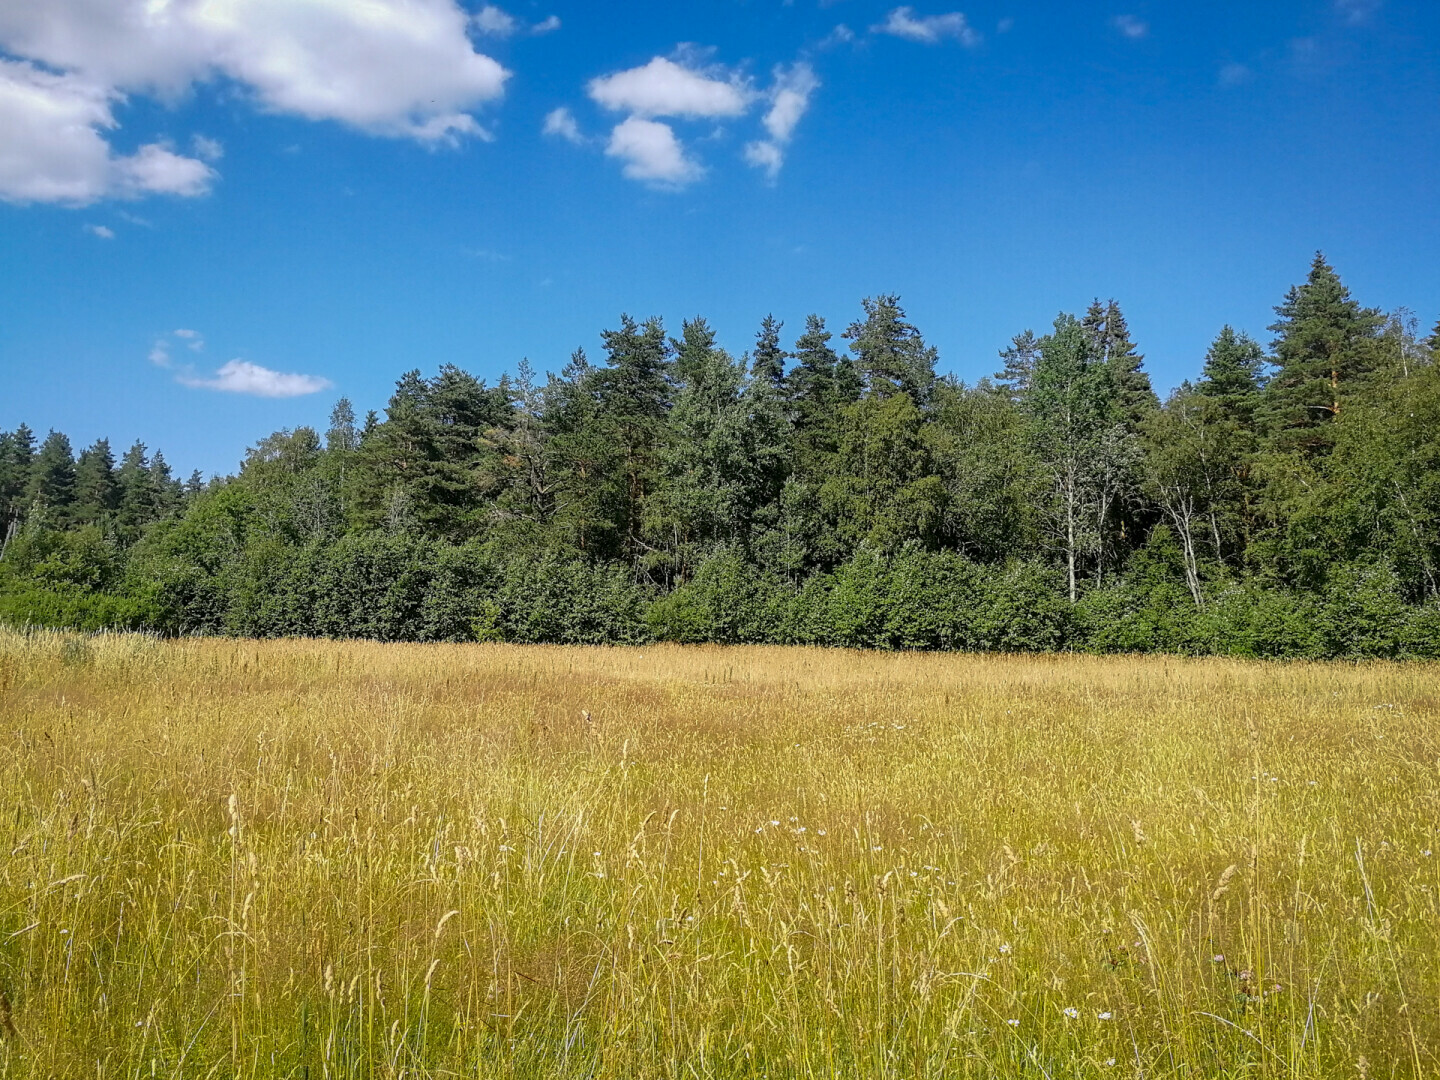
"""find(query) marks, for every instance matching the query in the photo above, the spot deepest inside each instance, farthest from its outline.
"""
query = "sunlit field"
(308, 859)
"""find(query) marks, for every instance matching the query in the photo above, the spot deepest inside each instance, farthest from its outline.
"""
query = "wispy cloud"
(497, 22)
(1357, 12)
(1234, 74)
(233, 377)
(561, 124)
(928, 29)
(789, 101)
(243, 377)
(104, 232)
(1130, 26)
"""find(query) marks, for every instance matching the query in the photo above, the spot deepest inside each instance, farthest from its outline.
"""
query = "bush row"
(398, 588)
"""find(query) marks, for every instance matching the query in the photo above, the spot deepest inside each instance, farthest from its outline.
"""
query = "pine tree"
(52, 476)
(17, 454)
(890, 355)
(1325, 345)
(97, 495)
(1019, 368)
(1234, 373)
(1109, 336)
(767, 363)
(1433, 341)
(635, 394)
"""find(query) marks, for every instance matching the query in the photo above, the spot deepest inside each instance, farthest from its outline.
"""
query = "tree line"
(832, 489)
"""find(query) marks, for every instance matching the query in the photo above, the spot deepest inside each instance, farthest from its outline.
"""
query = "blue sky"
(335, 193)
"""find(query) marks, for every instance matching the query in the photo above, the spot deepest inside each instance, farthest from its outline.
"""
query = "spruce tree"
(1109, 336)
(97, 495)
(767, 364)
(1325, 346)
(1234, 373)
(52, 476)
(137, 492)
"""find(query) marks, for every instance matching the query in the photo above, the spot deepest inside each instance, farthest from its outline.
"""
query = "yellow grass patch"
(327, 859)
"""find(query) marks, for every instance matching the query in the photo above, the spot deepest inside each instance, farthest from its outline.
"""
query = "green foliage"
(798, 495)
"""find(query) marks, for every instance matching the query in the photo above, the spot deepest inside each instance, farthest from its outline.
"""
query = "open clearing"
(313, 859)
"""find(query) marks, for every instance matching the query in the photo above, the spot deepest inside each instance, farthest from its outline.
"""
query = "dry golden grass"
(319, 860)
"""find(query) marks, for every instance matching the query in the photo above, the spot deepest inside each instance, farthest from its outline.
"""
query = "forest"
(824, 488)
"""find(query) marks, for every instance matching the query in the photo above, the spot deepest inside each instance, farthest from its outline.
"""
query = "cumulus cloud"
(243, 377)
(928, 29)
(403, 68)
(652, 153)
(561, 123)
(547, 25)
(54, 149)
(665, 88)
(789, 101)
(1130, 26)
(104, 232)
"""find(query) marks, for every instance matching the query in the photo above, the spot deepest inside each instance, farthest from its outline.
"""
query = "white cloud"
(53, 149)
(243, 377)
(155, 169)
(493, 20)
(387, 67)
(929, 29)
(561, 123)
(652, 153)
(664, 88)
(1130, 26)
(789, 101)
(765, 155)
(192, 339)
(841, 35)
(104, 232)
(498, 22)
(207, 149)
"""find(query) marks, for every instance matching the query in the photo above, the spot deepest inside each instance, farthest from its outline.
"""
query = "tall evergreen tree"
(97, 495)
(1234, 373)
(890, 355)
(635, 393)
(17, 454)
(1019, 369)
(52, 476)
(767, 363)
(137, 491)
(1325, 346)
(1109, 336)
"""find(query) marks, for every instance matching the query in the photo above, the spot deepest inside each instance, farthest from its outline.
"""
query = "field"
(309, 859)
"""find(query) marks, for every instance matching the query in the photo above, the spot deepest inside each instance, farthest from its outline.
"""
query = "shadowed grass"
(339, 860)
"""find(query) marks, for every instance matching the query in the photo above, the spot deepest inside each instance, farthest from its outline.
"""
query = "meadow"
(231, 858)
